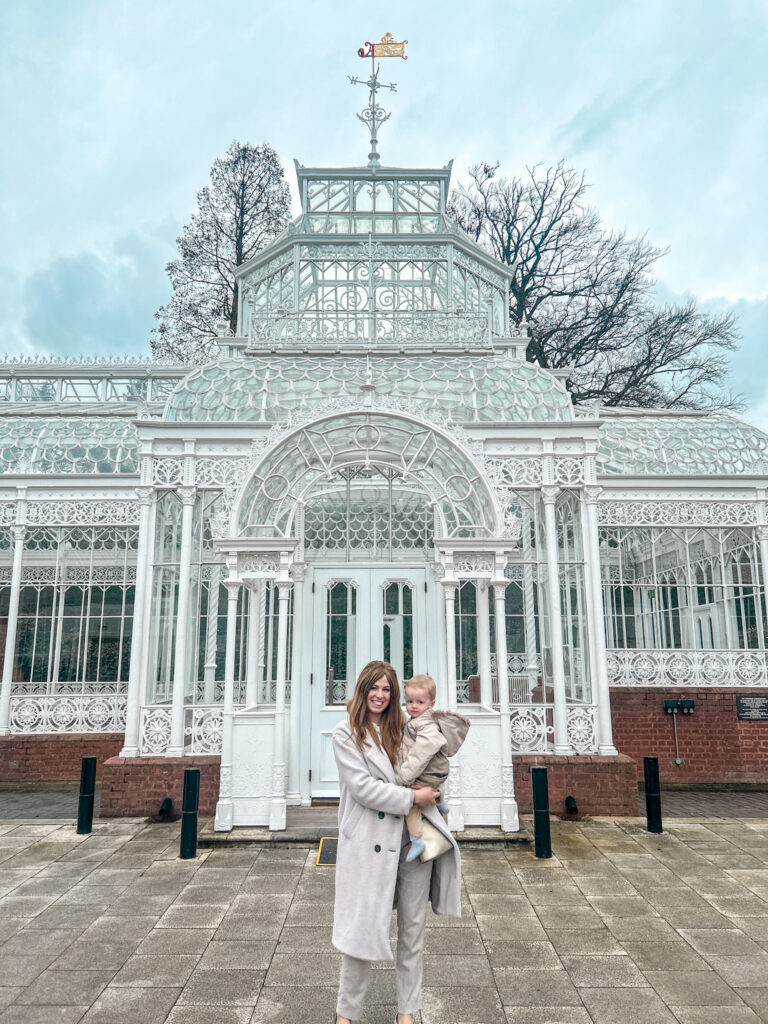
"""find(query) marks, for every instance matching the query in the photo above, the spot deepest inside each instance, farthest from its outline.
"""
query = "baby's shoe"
(417, 848)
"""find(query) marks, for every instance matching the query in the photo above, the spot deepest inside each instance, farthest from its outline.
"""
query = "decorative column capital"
(437, 569)
(762, 533)
(233, 589)
(549, 493)
(299, 571)
(18, 532)
(592, 494)
(145, 494)
(187, 495)
(284, 588)
(500, 589)
(449, 588)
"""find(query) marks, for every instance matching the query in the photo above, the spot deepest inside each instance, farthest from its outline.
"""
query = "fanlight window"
(401, 450)
(368, 516)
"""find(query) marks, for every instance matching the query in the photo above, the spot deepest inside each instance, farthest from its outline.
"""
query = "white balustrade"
(653, 667)
(532, 728)
(40, 713)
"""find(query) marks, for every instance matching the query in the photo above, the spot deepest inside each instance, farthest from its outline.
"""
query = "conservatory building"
(196, 561)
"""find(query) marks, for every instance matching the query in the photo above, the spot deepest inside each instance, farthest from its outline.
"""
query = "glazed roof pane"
(469, 388)
(68, 444)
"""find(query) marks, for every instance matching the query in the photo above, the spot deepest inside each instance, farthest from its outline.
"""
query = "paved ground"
(619, 928)
(28, 804)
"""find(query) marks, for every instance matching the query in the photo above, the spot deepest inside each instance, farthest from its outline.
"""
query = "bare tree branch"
(586, 294)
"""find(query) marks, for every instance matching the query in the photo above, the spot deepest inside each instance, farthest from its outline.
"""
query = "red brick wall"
(600, 785)
(714, 744)
(132, 787)
(28, 758)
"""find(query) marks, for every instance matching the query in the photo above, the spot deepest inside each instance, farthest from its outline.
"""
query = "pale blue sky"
(113, 112)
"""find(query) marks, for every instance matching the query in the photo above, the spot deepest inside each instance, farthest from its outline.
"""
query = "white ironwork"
(515, 471)
(687, 668)
(167, 472)
(155, 730)
(569, 471)
(205, 731)
(381, 327)
(532, 728)
(82, 513)
(677, 513)
(582, 728)
(68, 714)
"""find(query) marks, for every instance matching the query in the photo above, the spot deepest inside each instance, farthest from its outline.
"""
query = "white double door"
(360, 615)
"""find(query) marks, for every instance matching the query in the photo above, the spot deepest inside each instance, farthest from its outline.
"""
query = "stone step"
(313, 827)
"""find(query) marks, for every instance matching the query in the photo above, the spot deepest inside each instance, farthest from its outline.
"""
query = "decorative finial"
(373, 115)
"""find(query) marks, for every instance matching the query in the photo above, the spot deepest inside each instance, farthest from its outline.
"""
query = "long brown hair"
(391, 722)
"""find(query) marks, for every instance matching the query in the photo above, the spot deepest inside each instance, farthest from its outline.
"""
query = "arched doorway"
(360, 498)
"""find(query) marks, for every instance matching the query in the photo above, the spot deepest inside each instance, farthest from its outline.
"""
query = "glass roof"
(469, 388)
(68, 444)
(680, 446)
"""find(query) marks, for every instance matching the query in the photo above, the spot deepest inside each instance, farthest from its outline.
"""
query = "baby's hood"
(454, 727)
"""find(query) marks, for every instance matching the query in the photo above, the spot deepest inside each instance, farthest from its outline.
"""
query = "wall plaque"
(752, 708)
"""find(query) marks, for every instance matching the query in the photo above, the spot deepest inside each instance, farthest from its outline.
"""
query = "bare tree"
(586, 294)
(245, 206)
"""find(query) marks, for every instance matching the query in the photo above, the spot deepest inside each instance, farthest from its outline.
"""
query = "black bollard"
(87, 795)
(652, 794)
(188, 846)
(541, 836)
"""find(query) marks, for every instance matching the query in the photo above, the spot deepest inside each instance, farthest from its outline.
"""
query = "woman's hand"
(425, 796)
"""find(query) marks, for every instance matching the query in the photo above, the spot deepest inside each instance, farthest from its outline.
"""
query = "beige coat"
(428, 742)
(371, 811)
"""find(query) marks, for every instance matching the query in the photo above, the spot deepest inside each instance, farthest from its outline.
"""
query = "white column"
(442, 668)
(484, 643)
(211, 637)
(146, 497)
(455, 808)
(730, 640)
(181, 652)
(531, 664)
(602, 694)
(299, 572)
(760, 604)
(562, 746)
(223, 819)
(277, 809)
(509, 817)
(252, 645)
(17, 532)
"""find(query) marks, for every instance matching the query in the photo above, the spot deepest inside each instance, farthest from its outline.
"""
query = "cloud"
(602, 116)
(96, 303)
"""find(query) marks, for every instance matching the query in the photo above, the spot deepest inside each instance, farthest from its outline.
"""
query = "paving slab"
(618, 926)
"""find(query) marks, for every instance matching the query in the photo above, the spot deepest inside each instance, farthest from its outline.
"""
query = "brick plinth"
(135, 786)
(31, 758)
(715, 746)
(600, 785)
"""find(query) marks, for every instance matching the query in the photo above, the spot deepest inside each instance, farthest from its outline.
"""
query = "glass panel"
(398, 628)
(341, 625)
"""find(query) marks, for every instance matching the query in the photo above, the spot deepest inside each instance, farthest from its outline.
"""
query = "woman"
(372, 873)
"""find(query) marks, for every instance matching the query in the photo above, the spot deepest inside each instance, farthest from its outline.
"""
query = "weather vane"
(373, 115)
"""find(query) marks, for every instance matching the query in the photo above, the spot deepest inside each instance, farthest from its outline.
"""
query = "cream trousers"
(413, 880)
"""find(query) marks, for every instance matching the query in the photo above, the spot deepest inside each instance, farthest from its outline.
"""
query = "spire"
(373, 115)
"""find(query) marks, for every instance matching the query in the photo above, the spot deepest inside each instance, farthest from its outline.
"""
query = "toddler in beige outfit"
(429, 739)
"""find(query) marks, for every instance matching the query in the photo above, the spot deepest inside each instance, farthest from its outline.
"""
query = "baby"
(429, 739)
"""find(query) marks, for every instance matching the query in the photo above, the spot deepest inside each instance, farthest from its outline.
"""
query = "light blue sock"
(417, 848)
